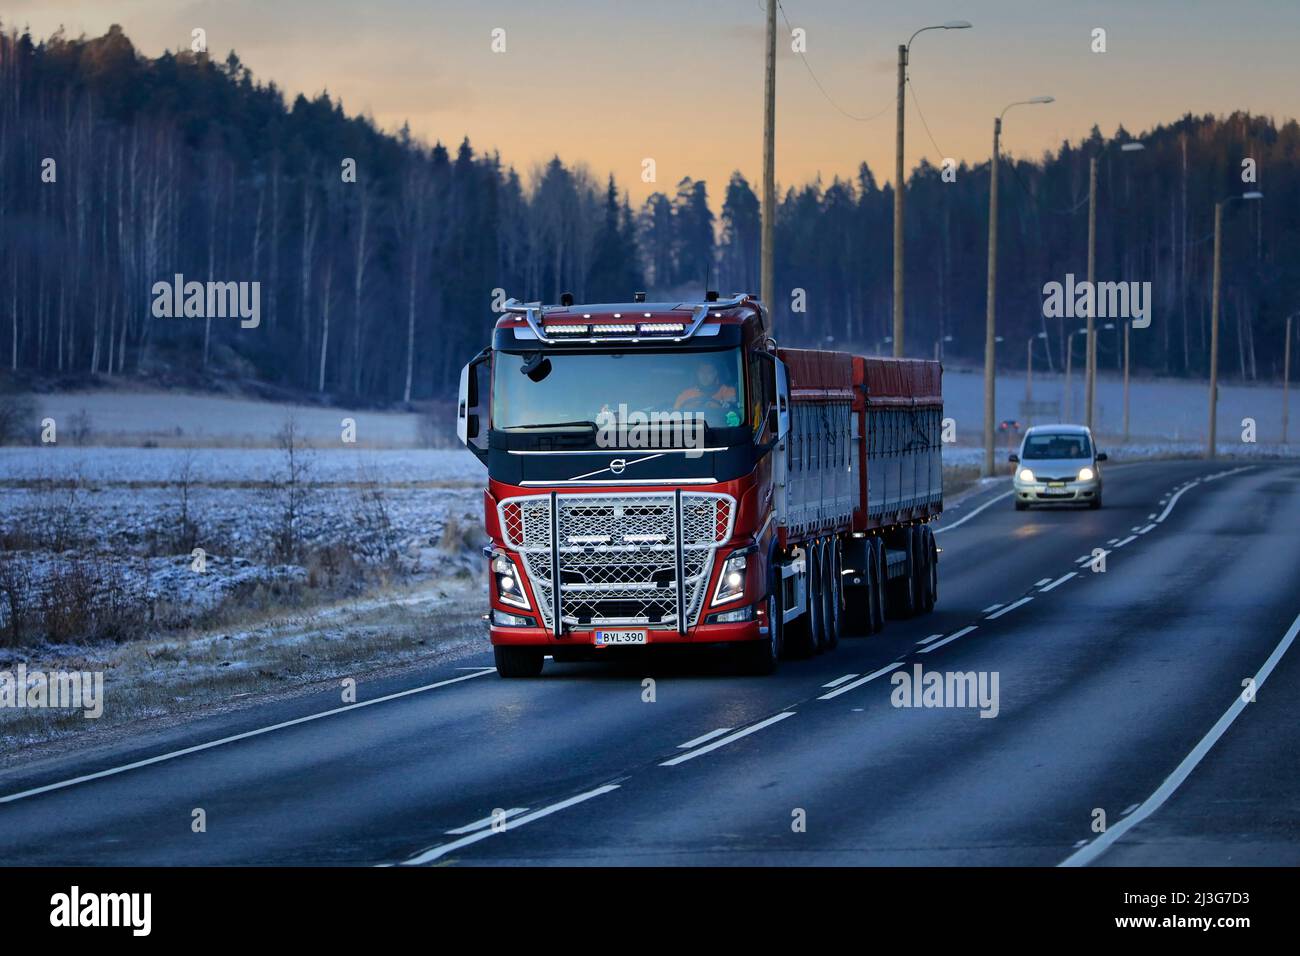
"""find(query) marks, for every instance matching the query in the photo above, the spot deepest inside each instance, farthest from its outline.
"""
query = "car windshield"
(576, 389)
(1056, 445)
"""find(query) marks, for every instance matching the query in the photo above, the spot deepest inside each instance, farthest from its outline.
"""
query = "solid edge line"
(485, 822)
(148, 761)
(961, 521)
(1171, 783)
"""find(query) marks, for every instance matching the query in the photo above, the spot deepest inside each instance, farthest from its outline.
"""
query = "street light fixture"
(1210, 449)
(904, 51)
(990, 321)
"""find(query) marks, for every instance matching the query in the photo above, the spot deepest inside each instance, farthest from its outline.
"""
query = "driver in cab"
(708, 392)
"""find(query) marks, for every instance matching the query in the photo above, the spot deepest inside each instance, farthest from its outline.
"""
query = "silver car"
(1057, 464)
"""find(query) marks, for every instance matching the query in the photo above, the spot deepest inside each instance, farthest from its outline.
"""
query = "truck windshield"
(588, 390)
(1057, 445)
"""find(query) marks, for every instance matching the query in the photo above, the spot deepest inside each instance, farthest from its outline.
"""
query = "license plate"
(1055, 493)
(1056, 484)
(613, 638)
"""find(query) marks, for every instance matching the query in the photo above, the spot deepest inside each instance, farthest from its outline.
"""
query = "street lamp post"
(990, 318)
(1286, 377)
(1069, 371)
(904, 50)
(1126, 368)
(1210, 448)
(1090, 371)
(1029, 373)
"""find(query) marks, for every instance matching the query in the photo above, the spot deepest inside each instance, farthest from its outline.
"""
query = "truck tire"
(878, 597)
(923, 547)
(932, 549)
(758, 658)
(834, 592)
(802, 635)
(518, 661)
(902, 589)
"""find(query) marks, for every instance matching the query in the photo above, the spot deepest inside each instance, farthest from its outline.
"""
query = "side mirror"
(469, 413)
(1102, 456)
(782, 400)
(1014, 459)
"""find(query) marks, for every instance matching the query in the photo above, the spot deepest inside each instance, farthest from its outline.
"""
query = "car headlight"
(1025, 475)
(509, 586)
(1086, 474)
(731, 580)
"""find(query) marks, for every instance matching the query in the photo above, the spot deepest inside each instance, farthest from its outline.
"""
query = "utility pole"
(1214, 332)
(991, 302)
(1090, 362)
(1126, 368)
(898, 207)
(1029, 373)
(768, 281)
(1286, 378)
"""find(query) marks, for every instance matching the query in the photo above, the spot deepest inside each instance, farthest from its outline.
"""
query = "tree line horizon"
(379, 289)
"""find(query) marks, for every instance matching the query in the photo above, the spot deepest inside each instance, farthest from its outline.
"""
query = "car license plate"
(1056, 484)
(612, 638)
(1055, 493)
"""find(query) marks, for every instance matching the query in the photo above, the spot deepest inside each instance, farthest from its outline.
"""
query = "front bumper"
(751, 630)
(1056, 493)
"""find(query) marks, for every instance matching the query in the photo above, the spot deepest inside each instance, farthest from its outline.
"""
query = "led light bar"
(567, 329)
(676, 327)
(609, 329)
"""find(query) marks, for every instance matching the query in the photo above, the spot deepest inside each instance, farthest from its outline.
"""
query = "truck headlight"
(1026, 475)
(1086, 474)
(509, 586)
(731, 580)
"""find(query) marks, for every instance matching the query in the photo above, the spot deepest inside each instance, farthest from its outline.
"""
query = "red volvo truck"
(663, 473)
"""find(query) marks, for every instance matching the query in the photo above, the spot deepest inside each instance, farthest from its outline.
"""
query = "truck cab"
(629, 450)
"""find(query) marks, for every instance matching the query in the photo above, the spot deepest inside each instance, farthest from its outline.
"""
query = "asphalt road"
(1119, 691)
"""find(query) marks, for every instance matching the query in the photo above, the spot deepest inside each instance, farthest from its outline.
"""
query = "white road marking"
(1149, 527)
(861, 680)
(1059, 581)
(1009, 607)
(113, 771)
(1127, 810)
(704, 738)
(932, 637)
(950, 638)
(1083, 559)
(1040, 583)
(1112, 541)
(433, 853)
(745, 732)
(1152, 516)
(1153, 803)
(962, 521)
(1172, 501)
(486, 821)
(993, 607)
(1120, 544)
(1080, 843)
(840, 680)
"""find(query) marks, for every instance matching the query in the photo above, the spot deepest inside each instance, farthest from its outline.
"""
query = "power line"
(813, 75)
(917, 104)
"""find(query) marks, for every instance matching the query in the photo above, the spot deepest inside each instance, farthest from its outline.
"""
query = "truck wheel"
(859, 616)
(932, 550)
(818, 586)
(924, 548)
(759, 657)
(517, 661)
(833, 592)
(801, 636)
(877, 586)
(902, 589)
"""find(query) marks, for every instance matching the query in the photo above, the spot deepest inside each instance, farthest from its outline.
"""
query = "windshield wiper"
(591, 425)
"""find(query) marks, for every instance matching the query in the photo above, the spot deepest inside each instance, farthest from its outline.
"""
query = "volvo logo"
(617, 465)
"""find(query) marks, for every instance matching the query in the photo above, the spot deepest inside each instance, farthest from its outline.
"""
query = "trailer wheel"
(517, 661)
(818, 585)
(932, 550)
(877, 586)
(833, 591)
(902, 589)
(803, 636)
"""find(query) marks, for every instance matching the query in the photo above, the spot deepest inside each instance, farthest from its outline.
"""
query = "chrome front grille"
(618, 553)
